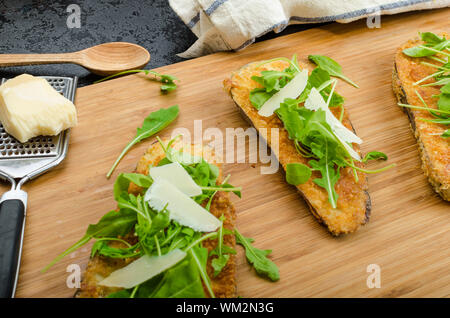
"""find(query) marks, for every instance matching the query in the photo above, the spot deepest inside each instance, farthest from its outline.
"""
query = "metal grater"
(19, 163)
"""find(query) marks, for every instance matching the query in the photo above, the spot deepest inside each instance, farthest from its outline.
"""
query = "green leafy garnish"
(297, 173)
(153, 124)
(258, 258)
(434, 45)
(221, 251)
(309, 130)
(331, 66)
(123, 181)
(272, 82)
(259, 96)
(155, 234)
(330, 174)
(375, 155)
(315, 139)
(102, 248)
(320, 79)
(167, 81)
(431, 38)
(112, 224)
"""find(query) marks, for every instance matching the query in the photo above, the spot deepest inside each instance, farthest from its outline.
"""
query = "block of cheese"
(30, 106)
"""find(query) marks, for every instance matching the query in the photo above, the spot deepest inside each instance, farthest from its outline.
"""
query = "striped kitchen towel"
(223, 25)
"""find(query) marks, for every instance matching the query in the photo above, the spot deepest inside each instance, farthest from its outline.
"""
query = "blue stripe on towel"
(347, 15)
(194, 20)
(357, 13)
(214, 6)
(208, 12)
(282, 24)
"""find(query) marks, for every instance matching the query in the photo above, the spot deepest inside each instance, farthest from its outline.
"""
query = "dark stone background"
(39, 26)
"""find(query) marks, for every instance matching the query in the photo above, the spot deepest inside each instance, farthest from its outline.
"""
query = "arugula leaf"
(292, 117)
(431, 38)
(444, 102)
(259, 96)
(201, 173)
(221, 251)
(297, 173)
(374, 155)
(102, 248)
(258, 258)
(181, 281)
(272, 82)
(319, 77)
(311, 130)
(433, 43)
(167, 81)
(159, 222)
(124, 293)
(218, 263)
(123, 182)
(331, 66)
(446, 133)
(229, 187)
(442, 121)
(423, 51)
(200, 256)
(446, 88)
(330, 176)
(153, 124)
(112, 224)
(442, 78)
(439, 82)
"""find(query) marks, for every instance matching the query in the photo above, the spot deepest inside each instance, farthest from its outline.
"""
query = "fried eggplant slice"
(353, 205)
(434, 150)
(223, 285)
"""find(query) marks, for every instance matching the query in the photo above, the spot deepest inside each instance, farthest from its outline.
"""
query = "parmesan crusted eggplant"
(223, 285)
(413, 85)
(353, 204)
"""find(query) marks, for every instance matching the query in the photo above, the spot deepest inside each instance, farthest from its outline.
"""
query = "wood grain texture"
(408, 234)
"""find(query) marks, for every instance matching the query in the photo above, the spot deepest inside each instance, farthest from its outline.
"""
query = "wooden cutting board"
(408, 235)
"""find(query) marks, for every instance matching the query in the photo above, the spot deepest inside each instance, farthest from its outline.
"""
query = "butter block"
(30, 106)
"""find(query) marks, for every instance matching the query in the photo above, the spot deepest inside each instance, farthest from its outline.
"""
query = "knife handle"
(12, 220)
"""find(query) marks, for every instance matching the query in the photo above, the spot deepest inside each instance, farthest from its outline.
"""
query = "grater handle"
(12, 221)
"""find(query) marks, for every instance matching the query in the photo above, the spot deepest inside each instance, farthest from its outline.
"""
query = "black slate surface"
(39, 26)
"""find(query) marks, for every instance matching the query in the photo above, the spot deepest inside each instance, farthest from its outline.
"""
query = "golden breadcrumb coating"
(224, 285)
(353, 205)
(434, 150)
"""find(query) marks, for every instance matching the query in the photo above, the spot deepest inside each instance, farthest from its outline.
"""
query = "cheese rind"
(30, 107)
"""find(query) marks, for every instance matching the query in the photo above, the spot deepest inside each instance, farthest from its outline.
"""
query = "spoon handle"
(33, 59)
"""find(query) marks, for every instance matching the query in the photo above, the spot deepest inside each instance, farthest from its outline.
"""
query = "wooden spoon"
(104, 59)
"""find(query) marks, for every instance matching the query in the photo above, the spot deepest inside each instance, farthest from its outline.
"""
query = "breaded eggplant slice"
(434, 150)
(223, 286)
(353, 205)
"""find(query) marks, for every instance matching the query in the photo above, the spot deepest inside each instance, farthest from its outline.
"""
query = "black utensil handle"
(12, 216)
